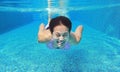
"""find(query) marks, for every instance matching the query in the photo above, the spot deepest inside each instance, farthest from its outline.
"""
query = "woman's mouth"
(60, 42)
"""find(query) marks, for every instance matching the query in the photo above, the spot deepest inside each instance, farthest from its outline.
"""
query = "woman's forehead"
(61, 32)
(60, 28)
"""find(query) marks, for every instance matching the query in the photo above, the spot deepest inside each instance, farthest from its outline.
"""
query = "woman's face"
(60, 36)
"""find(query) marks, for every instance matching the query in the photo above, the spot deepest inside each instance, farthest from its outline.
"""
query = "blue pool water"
(98, 51)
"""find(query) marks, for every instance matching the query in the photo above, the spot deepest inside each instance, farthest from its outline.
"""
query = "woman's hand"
(78, 33)
(43, 34)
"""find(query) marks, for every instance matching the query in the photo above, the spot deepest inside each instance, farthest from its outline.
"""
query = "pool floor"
(20, 52)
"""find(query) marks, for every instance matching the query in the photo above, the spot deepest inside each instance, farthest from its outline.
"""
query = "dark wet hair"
(60, 20)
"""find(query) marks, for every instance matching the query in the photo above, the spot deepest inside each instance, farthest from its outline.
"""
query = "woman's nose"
(61, 38)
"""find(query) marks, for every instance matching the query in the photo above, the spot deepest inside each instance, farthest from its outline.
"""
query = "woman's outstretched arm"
(76, 36)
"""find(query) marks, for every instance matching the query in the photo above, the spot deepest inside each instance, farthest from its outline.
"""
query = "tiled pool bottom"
(20, 52)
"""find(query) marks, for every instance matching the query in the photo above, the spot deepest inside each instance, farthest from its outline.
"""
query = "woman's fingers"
(42, 27)
(80, 27)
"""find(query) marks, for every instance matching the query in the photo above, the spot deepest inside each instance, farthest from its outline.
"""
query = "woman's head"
(60, 20)
(60, 28)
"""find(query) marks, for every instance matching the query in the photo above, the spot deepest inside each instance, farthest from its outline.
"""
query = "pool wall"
(106, 20)
(12, 20)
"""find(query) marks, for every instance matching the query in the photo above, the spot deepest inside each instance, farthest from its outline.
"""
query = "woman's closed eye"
(57, 34)
(65, 34)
